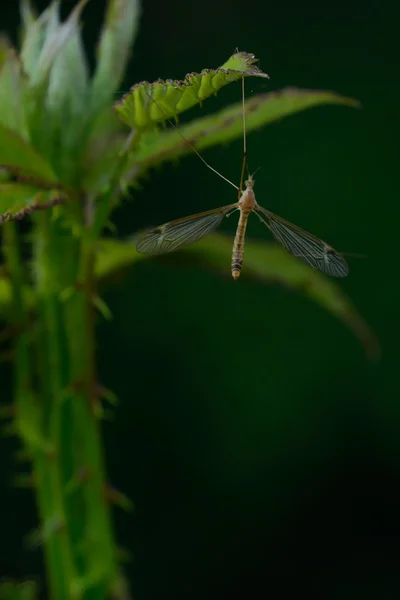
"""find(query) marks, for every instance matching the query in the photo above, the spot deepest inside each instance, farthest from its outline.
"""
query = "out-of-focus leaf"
(117, 37)
(18, 200)
(6, 296)
(13, 590)
(28, 17)
(12, 113)
(14, 197)
(69, 77)
(265, 262)
(17, 153)
(34, 33)
(115, 255)
(107, 137)
(227, 125)
(56, 91)
(147, 103)
(66, 103)
(56, 37)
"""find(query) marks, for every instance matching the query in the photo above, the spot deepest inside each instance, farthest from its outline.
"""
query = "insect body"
(246, 205)
(300, 244)
(308, 248)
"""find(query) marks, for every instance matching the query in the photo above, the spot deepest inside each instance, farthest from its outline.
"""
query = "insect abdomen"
(238, 244)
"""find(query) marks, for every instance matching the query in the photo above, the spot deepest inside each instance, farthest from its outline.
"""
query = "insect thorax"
(248, 199)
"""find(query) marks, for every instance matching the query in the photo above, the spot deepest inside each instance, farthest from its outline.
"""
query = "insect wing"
(310, 249)
(172, 235)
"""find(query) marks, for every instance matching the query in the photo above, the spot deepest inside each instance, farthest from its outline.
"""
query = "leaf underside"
(18, 200)
(264, 262)
(227, 125)
(148, 103)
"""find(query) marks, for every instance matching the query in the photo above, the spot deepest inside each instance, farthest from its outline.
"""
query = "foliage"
(65, 158)
(11, 590)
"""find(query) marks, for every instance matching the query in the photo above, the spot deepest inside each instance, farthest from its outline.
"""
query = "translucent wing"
(313, 251)
(168, 237)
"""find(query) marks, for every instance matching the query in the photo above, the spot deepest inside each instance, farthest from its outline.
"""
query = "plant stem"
(59, 420)
(52, 377)
(105, 202)
(30, 425)
(97, 539)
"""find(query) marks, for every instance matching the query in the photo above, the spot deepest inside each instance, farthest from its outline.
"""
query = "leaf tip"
(249, 61)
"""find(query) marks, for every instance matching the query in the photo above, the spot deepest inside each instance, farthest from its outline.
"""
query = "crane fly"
(300, 244)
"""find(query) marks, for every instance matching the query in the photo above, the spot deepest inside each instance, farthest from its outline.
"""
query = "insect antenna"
(256, 171)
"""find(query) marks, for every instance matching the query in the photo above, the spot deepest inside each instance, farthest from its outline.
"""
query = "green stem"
(97, 540)
(59, 423)
(29, 424)
(105, 202)
(62, 573)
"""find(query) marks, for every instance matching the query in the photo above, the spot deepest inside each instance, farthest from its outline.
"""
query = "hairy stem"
(50, 352)
(89, 508)
(105, 202)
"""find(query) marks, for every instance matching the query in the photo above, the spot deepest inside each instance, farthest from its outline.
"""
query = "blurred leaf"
(227, 125)
(116, 255)
(16, 152)
(14, 197)
(34, 33)
(56, 37)
(69, 75)
(6, 297)
(107, 137)
(18, 200)
(51, 52)
(28, 17)
(117, 37)
(12, 113)
(66, 103)
(265, 262)
(146, 103)
(13, 590)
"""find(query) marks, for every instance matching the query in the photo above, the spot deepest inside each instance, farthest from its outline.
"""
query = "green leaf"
(17, 153)
(53, 37)
(14, 197)
(69, 77)
(102, 152)
(18, 200)
(66, 103)
(227, 125)
(6, 297)
(28, 17)
(13, 590)
(53, 57)
(35, 31)
(117, 37)
(264, 262)
(147, 103)
(12, 113)
(115, 255)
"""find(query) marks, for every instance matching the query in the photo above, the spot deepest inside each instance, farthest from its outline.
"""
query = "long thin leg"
(262, 220)
(244, 142)
(194, 149)
(232, 211)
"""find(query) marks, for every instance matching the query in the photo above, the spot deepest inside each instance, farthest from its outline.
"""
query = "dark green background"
(260, 447)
